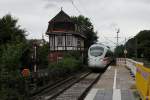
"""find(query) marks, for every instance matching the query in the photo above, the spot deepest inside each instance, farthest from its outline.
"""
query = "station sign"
(125, 51)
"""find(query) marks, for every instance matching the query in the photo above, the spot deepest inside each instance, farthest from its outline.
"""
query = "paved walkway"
(115, 84)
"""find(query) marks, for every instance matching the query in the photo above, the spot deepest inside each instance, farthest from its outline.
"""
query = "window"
(96, 51)
(63, 26)
(69, 40)
(59, 40)
(78, 42)
(51, 40)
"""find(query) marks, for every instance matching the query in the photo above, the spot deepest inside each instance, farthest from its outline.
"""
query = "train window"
(96, 51)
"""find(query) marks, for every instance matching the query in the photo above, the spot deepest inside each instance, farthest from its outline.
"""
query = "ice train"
(99, 56)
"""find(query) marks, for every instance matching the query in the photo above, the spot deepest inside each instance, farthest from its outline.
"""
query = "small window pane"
(78, 42)
(59, 40)
(69, 41)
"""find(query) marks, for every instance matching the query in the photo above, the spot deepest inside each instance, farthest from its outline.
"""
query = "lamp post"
(136, 48)
(35, 57)
(35, 46)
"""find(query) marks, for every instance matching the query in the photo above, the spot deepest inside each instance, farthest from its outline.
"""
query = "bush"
(65, 66)
(42, 56)
(12, 84)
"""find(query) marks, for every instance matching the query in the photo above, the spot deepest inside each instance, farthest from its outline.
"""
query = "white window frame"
(78, 42)
(59, 40)
(69, 40)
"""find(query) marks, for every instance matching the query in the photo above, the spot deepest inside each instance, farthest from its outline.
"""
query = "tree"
(13, 47)
(42, 55)
(131, 46)
(87, 29)
(139, 46)
(10, 31)
(119, 51)
(143, 44)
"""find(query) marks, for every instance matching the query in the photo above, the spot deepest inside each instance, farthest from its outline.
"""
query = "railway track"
(74, 88)
(51, 89)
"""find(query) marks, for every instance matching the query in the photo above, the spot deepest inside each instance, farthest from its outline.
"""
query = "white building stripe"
(115, 77)
(91, 95)
(116, 94)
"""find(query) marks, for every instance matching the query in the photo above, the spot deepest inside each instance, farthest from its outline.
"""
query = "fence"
(143, 81)
(131, 64)
(120, 61)
(142, 77)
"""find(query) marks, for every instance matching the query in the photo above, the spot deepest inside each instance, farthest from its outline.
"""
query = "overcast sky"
(130, 16)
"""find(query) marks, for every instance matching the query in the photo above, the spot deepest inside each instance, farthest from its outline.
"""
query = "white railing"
(120, 62)
(131, 64)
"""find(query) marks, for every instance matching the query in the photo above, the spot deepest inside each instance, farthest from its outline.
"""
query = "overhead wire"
(72, 2)
(101, 33)
(83, 27)
(108, 39)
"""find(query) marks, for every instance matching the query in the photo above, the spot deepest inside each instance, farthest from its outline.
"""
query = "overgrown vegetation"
(87, 29)
(137, 47)
(17, 53)
(70, 63)
(42, 56)
(140, 45)
(12, 49)
(119, 51)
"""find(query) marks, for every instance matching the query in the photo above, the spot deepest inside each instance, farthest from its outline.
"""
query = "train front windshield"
(96, 51)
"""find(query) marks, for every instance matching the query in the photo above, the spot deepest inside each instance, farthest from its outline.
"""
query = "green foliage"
(87, 28)
(11, 56)
(10, 31)
(11, 77)
(131, 46)
(42, 54)
(67, 65)
(140, 44)
(12, 51)
(10, 94)
(119, 51)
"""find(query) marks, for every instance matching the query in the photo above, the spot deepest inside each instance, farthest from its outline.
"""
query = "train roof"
(99, 44)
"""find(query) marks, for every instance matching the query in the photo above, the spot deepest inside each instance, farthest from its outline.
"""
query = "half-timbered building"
(64, 35)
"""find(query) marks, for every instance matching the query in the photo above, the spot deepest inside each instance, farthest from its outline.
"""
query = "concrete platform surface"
(115, 84)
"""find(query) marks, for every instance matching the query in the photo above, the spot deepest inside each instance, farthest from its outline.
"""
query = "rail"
(57, 88)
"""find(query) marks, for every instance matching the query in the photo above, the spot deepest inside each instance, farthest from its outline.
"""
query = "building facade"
(64, 35)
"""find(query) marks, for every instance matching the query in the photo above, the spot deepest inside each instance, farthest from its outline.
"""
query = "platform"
(115, 84)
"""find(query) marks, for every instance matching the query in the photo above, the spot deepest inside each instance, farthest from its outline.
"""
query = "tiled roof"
(61, 17)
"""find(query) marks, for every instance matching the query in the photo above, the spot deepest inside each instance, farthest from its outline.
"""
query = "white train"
(99, 56)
